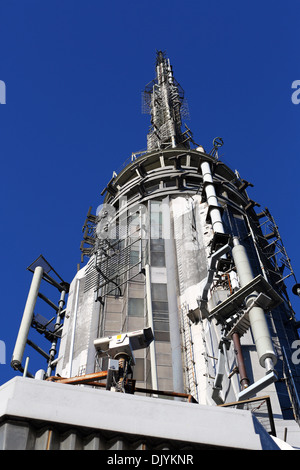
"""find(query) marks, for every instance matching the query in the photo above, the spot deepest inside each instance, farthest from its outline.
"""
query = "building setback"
(178, 327)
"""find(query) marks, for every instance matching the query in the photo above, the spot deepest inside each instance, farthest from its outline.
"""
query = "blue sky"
(74, 72)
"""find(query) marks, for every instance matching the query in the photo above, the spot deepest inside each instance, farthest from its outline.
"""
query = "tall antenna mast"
(164, 99)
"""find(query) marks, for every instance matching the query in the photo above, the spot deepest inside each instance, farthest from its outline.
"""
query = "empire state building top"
(183, 296)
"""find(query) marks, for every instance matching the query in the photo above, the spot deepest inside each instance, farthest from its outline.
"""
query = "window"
(136, 307)
(160, 312)
(157, 243)
(159, 292)
(156, 219)
(134, 255)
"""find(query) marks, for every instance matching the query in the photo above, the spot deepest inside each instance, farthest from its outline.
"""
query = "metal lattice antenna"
(164, 100)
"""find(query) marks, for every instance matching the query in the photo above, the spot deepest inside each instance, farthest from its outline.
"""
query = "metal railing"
(261, 408)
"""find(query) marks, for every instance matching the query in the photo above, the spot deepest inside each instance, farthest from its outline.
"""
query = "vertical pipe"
(151, 324)
(175, 337)
(49, 439)
(141, 239)
(259, 326)
(262, 267)
(244, 381)
(26, 367)
(212, 199)
(17, 356)
(52, 351)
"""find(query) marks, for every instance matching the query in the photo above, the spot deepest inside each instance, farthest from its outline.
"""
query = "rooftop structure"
(178, 315)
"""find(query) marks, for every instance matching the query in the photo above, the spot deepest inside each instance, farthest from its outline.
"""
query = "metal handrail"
(265, 399)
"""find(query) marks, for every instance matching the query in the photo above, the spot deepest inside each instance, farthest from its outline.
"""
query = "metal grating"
(114, 264)
(273, 248)
(21, 435)
(91, 276)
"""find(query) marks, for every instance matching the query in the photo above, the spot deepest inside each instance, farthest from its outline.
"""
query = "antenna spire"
(164, 100)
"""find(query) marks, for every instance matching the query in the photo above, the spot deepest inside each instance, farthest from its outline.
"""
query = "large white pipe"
(212, 200)
(17, 357)
(259, 326)
(175, 337)
(151, 323)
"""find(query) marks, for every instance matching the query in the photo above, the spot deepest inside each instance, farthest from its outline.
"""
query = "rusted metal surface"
(187, 396)
(92, 380)
(244, 381)
(81, 379)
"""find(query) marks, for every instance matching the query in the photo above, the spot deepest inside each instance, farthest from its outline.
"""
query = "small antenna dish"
(217, 143)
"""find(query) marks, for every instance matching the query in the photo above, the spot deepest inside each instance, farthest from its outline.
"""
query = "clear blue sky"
(74, 71)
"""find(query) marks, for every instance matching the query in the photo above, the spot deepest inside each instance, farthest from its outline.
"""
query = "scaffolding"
(274, 250)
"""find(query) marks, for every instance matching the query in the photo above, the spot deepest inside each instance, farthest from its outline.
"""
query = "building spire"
(164, 100)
